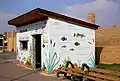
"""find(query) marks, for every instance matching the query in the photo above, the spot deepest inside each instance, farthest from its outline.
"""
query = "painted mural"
(26, 57)
(60, 42)
(64, 42)
(52, 58)
(73, 42)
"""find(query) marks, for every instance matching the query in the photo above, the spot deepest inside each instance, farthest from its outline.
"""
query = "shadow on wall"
(98, 51)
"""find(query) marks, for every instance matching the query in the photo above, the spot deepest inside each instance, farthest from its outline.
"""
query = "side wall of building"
(69, 42)
(26, 33)
(1, 43)
(11, 41)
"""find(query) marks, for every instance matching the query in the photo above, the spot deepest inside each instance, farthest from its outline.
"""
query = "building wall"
(58, 44)
(1, 43)
(28, 56)
(63, 37)
(11, 41)
(108, 45)
(108, 54)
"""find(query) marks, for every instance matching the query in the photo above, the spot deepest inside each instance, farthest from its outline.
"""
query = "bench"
(93, 75)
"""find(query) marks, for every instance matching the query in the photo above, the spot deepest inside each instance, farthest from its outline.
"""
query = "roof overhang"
(38, 14)
(28, 18)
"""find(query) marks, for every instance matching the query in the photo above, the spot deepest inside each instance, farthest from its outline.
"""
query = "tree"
(114, 26)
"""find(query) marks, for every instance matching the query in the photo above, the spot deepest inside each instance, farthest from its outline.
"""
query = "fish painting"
(79, 35)
(64, 46)
(63, 38)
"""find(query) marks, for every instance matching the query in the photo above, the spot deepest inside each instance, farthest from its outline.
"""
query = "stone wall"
(108, 54)
(11, 41)
(108, 45)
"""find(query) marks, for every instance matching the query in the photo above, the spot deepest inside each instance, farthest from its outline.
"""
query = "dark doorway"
(1, 42)
(98, 51)
(37, 50)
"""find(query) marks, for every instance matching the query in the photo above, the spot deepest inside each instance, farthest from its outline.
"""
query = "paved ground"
(9, 71)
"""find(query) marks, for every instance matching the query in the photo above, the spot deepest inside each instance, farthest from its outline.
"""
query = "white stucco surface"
(83, 52)
(54, 49)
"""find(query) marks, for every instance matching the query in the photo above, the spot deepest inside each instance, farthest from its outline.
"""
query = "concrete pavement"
(9, 71)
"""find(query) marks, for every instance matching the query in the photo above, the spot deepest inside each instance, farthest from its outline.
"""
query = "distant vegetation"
(114, 67)
(114, 26)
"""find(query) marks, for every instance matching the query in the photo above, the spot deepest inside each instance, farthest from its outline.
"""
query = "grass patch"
(114, 67)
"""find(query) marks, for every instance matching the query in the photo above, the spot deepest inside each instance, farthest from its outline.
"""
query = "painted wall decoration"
(90, 43)
(60, 41)
(64, 46)
(63, 38)
(71, 49)
(79, 35)
(52, 58)
(45, 40)
(90, 60)
(27, 57)
(65, 61)
(93, 40)
(24, 60)
(76, 42)
(79, 63)
(43, 45)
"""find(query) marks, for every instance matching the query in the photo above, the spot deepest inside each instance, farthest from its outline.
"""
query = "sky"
(107, 11)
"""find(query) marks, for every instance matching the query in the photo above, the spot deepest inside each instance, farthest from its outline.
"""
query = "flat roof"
(39, 14)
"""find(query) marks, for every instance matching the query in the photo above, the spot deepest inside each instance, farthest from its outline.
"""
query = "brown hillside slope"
(108, 45)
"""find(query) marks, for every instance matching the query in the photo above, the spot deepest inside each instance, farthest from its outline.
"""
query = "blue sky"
(107, 11)
(25, 5)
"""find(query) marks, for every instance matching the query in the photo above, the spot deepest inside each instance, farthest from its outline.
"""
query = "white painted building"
(48, 39)
(1, 42)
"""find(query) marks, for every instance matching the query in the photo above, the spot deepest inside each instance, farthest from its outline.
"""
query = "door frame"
(34, 50)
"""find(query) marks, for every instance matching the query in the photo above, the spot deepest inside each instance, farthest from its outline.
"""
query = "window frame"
(24, 46)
